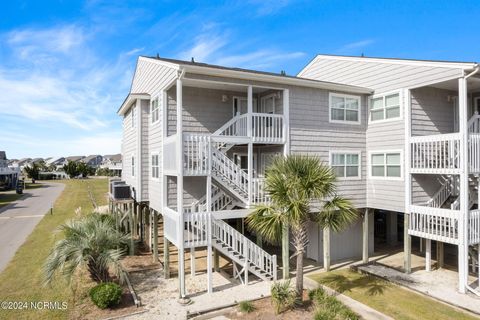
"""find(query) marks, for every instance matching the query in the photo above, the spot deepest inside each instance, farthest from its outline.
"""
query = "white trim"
(130, 100)
(255, 76)
(342, 95)
(383, 151)
(406, 162)
(150, 162)
(158, 98)
(383, 95)
(345, 152)
(440, 64)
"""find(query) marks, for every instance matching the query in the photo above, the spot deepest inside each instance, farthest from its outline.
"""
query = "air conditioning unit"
(121, 192)
(114, 183)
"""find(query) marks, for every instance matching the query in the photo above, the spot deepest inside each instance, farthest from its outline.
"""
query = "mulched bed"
(264, 310)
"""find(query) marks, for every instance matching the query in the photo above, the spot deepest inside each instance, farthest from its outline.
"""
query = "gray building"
(400, 134)
(8, 174)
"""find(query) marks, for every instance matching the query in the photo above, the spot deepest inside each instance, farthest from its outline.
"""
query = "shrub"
(324, 314)
(316, 294)
(283, 297)
(246, 306)
(107, 294)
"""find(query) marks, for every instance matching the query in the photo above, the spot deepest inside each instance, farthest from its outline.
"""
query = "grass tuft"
(246, 306)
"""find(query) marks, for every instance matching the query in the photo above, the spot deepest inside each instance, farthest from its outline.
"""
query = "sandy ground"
(160, 296)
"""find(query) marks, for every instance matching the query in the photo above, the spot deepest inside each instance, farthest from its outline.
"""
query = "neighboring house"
(8, 174)
(93, 160)
(74, 158)
(113, 162)
(56, 162)
(401, 135)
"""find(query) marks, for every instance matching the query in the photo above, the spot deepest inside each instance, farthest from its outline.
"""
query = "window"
(154, 110)
(133, 166)
(345, 165)
(344, 108)
(240, 105)
(134, 116)
(385, 107)
(386, 165)
(155, 170)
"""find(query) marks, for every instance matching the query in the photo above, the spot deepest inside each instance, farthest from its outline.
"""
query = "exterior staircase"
(243, 252)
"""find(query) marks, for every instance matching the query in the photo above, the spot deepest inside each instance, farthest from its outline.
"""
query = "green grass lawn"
(22, 279)
(6, 198)
(388, 298)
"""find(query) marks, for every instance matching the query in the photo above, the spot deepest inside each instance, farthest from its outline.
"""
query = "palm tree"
(302, 190)
(92, 242)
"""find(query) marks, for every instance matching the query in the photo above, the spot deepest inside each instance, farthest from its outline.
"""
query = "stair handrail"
(474, 123)
(255, 255)
(229, 169)
(441, 196)
(228, 127)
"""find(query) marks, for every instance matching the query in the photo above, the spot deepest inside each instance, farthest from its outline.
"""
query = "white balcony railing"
(434, 223)
(259, 194)
(267, 128)
(195, 154)
(474, 227)
(9, 170)
(474, 152)
(170, 154)
(436, 154)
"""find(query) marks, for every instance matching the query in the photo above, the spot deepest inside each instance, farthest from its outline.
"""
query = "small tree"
(83, 169)
(71, 169)
(91, 242)
(32, 171)
(302, 190)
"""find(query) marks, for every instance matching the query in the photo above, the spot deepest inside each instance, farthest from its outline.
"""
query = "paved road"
(18, 219)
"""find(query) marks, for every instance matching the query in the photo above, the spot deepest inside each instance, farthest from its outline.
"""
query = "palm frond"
(337, 214)
(267, 221)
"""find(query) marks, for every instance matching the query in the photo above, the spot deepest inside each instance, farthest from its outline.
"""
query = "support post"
(250, 144)
(155, 237)
(216, 260)
(130, 222)
(428, 255)
(192, 262)
(440, 255)
(365, 230)
(478, 259)
(179, 166)
(209, 235)
(285, 252)
(166, 256)
(407, 246)
(463, 218)
(326, 249)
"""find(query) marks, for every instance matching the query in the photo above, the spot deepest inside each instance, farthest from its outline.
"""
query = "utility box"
(121, 192)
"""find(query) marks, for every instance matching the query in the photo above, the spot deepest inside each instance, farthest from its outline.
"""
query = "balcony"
(434, 223)
(438, 154)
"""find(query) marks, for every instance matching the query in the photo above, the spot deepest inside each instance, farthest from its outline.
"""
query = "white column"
(365, 236)
(192, 262)
(407, 240)
(462, 223)
(286, 120)
(250, 144)
(428, 255)
(180, 226)
(209, 235)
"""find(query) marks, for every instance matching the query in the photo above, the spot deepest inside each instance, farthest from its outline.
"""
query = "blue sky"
(66, 66)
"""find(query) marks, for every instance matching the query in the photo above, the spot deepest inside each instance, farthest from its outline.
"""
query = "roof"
(90, 157)
(113, 157)
(74, 158)
(420, 62)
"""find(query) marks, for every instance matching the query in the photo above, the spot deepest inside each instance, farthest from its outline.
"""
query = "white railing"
(196, 229)
(436, 153)
(170, 153)
(229, 171)
(220, 201)
(434, 223)
(474, 152)
(235, 127)
(267, 128)
(474, 123)
(259, 194)
(471, 201)
(255, 255)
(170, 222)
(195, 154)
(474, 227)
(439, 198)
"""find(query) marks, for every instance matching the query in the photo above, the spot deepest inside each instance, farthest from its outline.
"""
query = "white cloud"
(349, 47)
(204, 46)
(268, 7)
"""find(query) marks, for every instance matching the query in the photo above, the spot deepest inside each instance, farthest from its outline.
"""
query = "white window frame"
(342, 95)
(133, 114)
(385, 177)
(157, 99)
(153, 154)
(384, 95)
(132, 165)
(345, 152)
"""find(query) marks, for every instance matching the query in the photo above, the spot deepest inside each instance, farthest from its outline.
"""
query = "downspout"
(469, 288)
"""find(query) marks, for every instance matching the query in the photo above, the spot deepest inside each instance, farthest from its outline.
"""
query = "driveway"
(19, 218)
